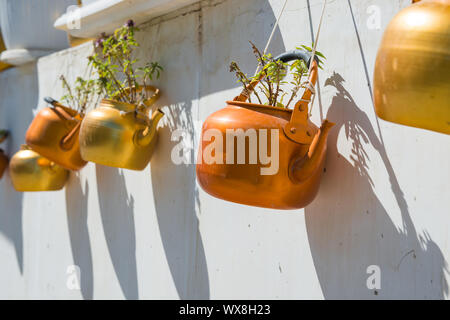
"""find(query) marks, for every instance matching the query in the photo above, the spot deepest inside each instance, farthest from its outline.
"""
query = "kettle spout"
(145, 136)
(304, 168)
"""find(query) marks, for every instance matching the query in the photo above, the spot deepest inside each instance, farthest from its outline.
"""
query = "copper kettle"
(292, 179)
(412, 70)
(54, 132)
(3, 156)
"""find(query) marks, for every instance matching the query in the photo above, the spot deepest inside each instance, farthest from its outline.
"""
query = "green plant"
(271, 74)
(84, 94)
(117, 69)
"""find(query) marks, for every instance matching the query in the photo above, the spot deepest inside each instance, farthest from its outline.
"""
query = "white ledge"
(106, 15)
(17, 57)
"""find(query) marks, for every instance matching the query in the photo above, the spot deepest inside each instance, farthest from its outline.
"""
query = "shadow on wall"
(76, 206)
(117, 213)
(176, 199)
(16, 111)
(175, 191)
(350, 230)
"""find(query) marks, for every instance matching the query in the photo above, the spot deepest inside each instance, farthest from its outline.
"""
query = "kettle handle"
(148, 102)
(284, 57)
(297, 128)
(61, 113)
(68, 140)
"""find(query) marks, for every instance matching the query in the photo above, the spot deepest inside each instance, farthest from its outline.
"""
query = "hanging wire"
(314, 53)
(271, 34)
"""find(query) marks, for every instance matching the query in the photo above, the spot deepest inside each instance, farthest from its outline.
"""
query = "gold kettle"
(412, 70)
(30, 171)
(117, 134)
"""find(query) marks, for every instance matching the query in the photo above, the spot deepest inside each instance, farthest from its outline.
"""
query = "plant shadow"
(77, 209)
(350, 230)
(117, 214)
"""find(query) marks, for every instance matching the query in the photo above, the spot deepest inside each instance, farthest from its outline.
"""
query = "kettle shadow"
(77, 209)
(11, 217)
(349, 229)
(13, 103)
(176, 198)
(117, 214)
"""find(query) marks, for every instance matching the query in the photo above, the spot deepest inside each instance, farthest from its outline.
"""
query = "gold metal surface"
(31, 172)
(116, 135)
(412, 70)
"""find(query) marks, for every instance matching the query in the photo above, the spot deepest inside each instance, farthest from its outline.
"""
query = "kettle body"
(53, 133)
(117, 134)
(245, 183)
(30, 171)
(412, 69)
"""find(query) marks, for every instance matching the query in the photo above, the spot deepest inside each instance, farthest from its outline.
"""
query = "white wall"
(155, 234)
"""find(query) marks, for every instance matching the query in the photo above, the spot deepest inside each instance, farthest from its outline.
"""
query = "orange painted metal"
(54, 132)
(302, 150)
(3, 162)
(3, 157)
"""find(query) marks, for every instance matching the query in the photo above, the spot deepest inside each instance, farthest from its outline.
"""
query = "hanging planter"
(54, 132)
(412, 70)
(3, 162)
(119, 133)
(3, 157)
(30, 171)
(291, 177)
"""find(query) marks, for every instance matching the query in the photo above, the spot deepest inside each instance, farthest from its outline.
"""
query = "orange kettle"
(234, 164)
(54, 132)
(3, 157)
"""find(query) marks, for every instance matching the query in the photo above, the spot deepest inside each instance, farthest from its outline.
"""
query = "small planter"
(27, 28)
(30, 171)
(3, 163)
(302, 147)
(3, 156)
(412, 70)
(117, 134)
(54, 132)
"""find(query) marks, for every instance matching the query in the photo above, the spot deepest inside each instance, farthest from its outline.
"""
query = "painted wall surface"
(384, 198)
